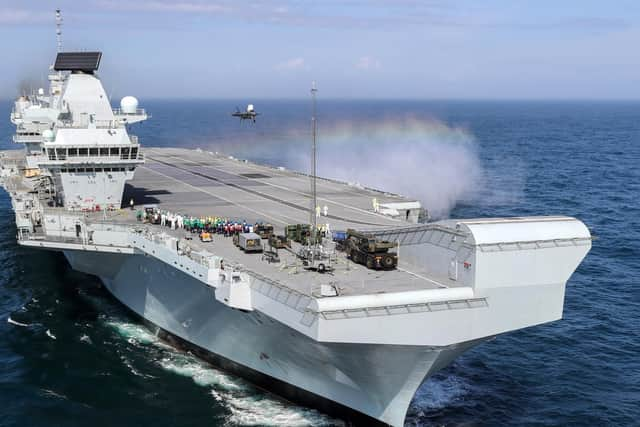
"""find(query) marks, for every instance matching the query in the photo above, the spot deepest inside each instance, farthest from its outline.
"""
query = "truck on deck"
(367, 250)
(250, 242)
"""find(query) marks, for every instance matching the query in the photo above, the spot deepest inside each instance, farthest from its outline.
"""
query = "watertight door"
(453, 269)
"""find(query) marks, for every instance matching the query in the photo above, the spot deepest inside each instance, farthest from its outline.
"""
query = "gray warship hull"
(335, 378)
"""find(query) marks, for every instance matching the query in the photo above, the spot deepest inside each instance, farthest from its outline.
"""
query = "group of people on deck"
(209, 224)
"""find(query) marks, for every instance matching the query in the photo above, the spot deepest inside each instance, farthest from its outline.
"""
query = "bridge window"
(73, 152)
(104, 152)
(114, 151)
(93, 152)
(83, 152)
(124, 153)
(61, 153)
(134, 152)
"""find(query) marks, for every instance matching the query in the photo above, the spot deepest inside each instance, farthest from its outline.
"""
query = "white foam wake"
(438, 393)
(15, 322)
(246, 404)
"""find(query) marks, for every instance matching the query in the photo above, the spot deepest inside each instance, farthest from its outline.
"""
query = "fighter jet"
(249, 114)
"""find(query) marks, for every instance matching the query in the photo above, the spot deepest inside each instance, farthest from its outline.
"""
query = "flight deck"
(203, 183)
(196, 182)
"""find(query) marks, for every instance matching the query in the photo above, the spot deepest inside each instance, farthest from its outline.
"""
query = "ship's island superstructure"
(352, 340)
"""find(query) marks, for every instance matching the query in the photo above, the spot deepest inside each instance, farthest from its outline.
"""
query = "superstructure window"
(51, 153)
(134, 153)
(72, 170)
(73, 152)
(93, 152)
(83, 152)
(104, 152)
(114, 151)
(107, 169)
(61, 153)
(124, 153)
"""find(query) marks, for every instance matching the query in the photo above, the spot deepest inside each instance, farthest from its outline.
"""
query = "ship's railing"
(161, 238)
(279, 292)
(266, 286)
(139, 112)
(25, 138)
(534, 244)
(425, 233)
(84, 124)
(458, 304)
(23, 236)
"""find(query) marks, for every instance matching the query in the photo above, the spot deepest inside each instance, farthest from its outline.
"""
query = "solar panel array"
(87, 62)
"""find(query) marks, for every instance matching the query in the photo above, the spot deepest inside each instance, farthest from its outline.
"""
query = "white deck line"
(290, 190)
(419, 276)
(222, 198)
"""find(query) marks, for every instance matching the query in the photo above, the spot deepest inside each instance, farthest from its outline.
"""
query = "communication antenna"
(314, 201)
(59, 30)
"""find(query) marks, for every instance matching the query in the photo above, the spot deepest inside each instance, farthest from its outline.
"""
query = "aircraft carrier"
(347, 337)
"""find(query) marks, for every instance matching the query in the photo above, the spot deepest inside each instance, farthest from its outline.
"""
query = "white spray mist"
(423, 159)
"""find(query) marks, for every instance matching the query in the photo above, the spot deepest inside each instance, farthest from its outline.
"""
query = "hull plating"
(376, 380)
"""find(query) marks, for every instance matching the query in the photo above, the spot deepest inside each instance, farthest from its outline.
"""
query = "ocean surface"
(71, 356)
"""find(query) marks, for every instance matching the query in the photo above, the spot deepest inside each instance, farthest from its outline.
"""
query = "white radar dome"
(48, 135)
(129, 105)
(250, 108)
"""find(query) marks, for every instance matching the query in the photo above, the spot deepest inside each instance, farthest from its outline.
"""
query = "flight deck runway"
(200, 183)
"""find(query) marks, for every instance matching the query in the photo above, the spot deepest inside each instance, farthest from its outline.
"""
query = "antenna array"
(59, 30)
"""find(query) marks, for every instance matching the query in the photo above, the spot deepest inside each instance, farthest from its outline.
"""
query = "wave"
(15, 322)
(247, 405)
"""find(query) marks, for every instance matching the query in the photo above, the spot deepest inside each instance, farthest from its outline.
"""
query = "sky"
(379, 49)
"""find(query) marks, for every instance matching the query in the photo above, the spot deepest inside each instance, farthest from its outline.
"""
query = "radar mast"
(59, 30)
(314, 201)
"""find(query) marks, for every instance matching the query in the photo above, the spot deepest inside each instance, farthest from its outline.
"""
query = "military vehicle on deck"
(367, 250)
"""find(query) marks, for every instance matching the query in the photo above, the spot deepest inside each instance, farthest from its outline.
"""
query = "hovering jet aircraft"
(249, 114)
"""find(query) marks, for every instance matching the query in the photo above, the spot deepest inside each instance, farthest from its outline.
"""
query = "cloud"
(164, 6)
(291, 64)
(22, 16)
(367, 63)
